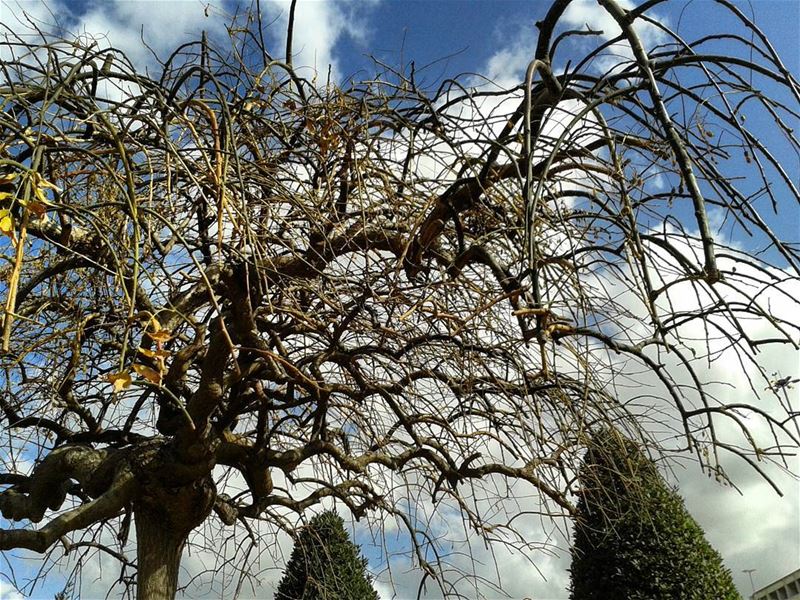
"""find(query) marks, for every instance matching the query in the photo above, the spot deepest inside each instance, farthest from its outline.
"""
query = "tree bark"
(158, 552)
(164, 518)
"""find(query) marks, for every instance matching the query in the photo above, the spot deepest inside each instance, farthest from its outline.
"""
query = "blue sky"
(478, 36)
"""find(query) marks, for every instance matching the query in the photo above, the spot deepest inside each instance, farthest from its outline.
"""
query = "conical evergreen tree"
(634, 538)
(325, 565)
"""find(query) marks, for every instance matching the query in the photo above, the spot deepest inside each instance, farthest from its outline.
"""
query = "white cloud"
(162, 25)
(318, 28)
(581, 13)
(506, 67)
(7, 592)
(123, 25)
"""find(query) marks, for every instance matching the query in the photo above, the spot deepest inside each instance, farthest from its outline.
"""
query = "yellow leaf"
(6, 195)
(154, 324)
(146, 352)
(6, 223)
(121, 380)
(154, 353)
(7, 178)
(41, 182)
(160, 336)
(40, 185)
(147, 373)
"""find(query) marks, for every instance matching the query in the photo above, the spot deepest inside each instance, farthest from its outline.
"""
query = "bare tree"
(231, 293)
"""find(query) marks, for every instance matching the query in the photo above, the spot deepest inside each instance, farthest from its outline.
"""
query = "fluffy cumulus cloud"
(755, 521)
(126, 24)
(517, 41)
(7, 592)
(318, 28)
(163, 25)
(122, 25)
(582, 14)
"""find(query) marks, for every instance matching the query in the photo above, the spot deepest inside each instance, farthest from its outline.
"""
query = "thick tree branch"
(47, 487)
(104, 507)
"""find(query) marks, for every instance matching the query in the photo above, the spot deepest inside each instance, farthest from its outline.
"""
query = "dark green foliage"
(634, 538)
(325, 565)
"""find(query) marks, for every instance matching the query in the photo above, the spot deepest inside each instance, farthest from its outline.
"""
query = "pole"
(750, 575)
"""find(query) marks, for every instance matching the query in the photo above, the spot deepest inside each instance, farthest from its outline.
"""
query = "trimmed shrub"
(634, 538)
(325, 565)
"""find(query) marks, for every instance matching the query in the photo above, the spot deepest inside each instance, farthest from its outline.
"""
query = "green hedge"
(325, 565)
(633, 537)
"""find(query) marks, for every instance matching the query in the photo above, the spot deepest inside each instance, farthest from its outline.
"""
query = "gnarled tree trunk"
(164, 518)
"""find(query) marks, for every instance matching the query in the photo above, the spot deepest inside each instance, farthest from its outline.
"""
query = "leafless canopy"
(231, 293)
